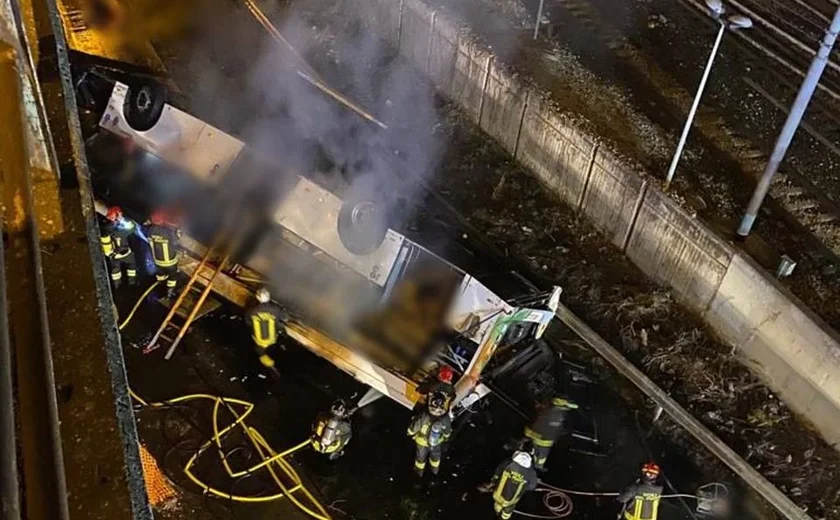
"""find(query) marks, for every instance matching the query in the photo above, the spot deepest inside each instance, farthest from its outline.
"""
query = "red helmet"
(445, 374)
(158, 218)
(650, 471)
(114, 213)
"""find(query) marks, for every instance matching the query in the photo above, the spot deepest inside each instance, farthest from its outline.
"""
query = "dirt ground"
(670, 345)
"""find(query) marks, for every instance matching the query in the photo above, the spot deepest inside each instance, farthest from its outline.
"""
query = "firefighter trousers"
(117, 263)
(504, 511)
(431, 453)
(541, 456)
(167, 274)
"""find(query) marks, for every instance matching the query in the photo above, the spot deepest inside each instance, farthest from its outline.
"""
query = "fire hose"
(270, 460)
(559, 503)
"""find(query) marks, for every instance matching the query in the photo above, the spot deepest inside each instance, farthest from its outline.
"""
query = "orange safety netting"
(158, 488)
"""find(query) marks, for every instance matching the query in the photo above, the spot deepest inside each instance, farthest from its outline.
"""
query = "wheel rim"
(363, 214)
(144, 100)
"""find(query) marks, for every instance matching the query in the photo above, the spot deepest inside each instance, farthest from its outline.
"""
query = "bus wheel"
(362, 226)
(144, 105)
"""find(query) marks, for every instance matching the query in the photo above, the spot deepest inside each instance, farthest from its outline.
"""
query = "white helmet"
(523, 458)
(263, 296)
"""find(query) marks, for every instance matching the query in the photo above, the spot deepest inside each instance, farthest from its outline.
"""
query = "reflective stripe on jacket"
(115, 239)
(642, 501)
(514, 480)
(263, 321)
(163, 241)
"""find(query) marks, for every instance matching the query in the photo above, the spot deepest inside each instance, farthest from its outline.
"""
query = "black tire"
(362, 225)
(144, 105)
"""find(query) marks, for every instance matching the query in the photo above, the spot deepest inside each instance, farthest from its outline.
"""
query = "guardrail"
(24, 319)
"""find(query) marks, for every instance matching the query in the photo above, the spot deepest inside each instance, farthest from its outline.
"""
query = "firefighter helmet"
(158, 218)
(437, 404)
(523, 458)
(650, 471)
(445, 374)
(339, 408)
(114, 213)
(263, 296)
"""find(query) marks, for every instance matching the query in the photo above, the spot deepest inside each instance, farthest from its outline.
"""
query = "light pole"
(733, 22)
(809, 84)
(539, 19)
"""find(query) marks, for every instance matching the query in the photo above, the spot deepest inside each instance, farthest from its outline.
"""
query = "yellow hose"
(137, 305)
(269, 458)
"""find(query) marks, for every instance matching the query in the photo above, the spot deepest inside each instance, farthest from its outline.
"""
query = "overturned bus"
(376, 304)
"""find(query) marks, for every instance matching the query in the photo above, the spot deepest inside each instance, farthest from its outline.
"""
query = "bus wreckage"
(366, 298)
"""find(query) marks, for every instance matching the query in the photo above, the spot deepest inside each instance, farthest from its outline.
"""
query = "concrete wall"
(675, 249)
(792, 349)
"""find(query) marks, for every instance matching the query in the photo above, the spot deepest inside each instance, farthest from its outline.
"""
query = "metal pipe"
(806, 91)
(690, 119)
(539, 18)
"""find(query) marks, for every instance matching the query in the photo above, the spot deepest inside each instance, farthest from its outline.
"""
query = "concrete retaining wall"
(791, 348)
(675, 249)
(555, 151)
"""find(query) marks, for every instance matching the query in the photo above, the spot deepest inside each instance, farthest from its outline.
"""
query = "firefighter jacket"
(263, 319)
(163, 240)
(641, 501)
(548, 427)
(114, 239)
(331, 433)
(513, 480)
(430, 431)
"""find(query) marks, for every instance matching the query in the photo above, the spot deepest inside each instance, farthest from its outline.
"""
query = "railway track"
(812, 203)
(809, 206)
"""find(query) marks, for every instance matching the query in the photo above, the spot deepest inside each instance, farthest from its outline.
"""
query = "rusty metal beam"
(742, 468)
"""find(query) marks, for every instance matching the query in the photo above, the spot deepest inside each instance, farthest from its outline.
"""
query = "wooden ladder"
(171, 332)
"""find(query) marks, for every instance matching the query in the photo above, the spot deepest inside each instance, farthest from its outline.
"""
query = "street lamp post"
(809, 84)
(539, 19)
(731, 22)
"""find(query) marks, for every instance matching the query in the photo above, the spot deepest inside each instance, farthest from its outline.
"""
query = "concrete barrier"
(503, 107)
(469, 75)
(444, 48)
(555, 151)
(787, 345)
(613, 197)
(675, 249)
(416, 33)
(382, 17)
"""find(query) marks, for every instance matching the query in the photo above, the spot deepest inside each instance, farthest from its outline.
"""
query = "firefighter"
(332, 431)
(164, 242)
(116, 247)
(511, 480)
(548, 428)
(430, 429)
(640, 501)
(264, 319)
(441, 384)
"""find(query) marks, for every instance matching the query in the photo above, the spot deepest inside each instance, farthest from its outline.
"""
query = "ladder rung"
(167, 338)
